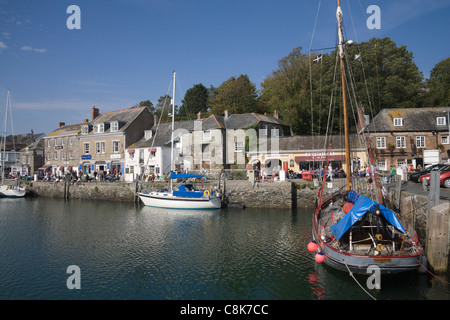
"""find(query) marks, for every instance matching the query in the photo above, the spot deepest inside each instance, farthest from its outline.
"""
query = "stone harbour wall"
(239, 193)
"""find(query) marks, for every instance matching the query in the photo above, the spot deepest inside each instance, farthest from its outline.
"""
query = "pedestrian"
(391, 174)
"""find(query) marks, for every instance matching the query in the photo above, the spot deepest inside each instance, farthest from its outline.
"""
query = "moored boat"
(352, 232)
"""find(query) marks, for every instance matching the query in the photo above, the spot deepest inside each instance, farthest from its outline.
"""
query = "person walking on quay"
(391, 174)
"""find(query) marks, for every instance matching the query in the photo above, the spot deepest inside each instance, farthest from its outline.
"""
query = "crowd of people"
(75, 176)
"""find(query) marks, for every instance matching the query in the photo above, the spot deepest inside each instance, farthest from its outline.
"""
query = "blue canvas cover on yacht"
(359, 209)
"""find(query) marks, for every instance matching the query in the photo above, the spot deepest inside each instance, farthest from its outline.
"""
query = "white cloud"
(6, 35)
(3, 46)
(28, 48)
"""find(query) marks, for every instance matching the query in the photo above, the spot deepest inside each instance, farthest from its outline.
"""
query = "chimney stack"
(227, 114)
(199, 115)
(94, 113)
(275, 114)
(32, 135)
(86, 120)
(61, 124)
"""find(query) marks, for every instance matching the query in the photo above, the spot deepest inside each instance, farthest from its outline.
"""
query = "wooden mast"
(344, 95)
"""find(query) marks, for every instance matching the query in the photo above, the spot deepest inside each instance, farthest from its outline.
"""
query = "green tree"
(148, 104)
(438, 85)
(195, 101)
(237, 95)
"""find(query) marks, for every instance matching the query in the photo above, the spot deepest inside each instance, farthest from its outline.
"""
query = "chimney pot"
(95, 112)
(61, 124)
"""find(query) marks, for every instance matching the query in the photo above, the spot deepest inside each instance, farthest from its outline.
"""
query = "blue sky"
(126, 50)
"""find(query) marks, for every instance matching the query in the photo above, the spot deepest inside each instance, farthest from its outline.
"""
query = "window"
(381, 164)
(62, 141)
(400, 162)
(99, 147)
(62, 155)
(420, 142)
(238, 146)
(381, 142)
(401, 143)
(48, 156)
(70, 155)
(114, 126)
(84, 130)
(56, 142)
(148, 134)
(444, 140)
(115, 146)
(99, 128)
(55, 155)
(441, 121)
(86, 148)
(48, 143)
(398, 122)
(141, 156)
(207, 135)
(71, 141)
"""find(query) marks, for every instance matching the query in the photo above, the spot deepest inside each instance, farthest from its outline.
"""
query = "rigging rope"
(351, 275)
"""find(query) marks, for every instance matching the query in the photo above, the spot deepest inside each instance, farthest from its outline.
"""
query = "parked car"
(444, 180)
(415, 176)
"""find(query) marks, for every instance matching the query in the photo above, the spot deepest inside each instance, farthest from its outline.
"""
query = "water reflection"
(135, 252)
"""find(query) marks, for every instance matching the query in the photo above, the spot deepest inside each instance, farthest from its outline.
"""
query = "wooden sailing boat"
(8, 190)
(351, 231)
(186, 197)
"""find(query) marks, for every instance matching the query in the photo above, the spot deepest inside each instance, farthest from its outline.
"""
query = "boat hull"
(360, 264)
(167, 200)
(344, 261)
(7, 192)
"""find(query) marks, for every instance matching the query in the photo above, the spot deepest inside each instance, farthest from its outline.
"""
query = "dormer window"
(148, 134)
(114, 126)
(99, 128)
(398, 122)
(441, 121)
(84, 130)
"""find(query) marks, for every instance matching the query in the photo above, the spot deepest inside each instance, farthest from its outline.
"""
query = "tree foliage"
(382, 76)
(195, 101)
(237, 95)
(438, 86)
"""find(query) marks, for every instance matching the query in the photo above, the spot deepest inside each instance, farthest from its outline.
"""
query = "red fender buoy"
(320, 257)
(313, 246)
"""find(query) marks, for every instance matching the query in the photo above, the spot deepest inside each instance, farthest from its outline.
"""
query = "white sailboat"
(185, 197)
(8, 190)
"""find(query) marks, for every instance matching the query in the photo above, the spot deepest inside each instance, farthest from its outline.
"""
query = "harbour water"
(127, 251)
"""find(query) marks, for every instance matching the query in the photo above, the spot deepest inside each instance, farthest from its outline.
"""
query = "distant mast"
(173, 128)
(344, 94)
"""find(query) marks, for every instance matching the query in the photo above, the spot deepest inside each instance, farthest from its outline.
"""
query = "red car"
(444, 177)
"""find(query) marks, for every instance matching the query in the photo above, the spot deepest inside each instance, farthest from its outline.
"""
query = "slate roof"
(70, 129)
(414, 119)
(238, 121)
(124, 117)
(163, 136)
(308, 143)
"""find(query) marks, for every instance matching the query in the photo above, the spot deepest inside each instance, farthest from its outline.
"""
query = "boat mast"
(4, 138)
(173, 128)
(344, 93)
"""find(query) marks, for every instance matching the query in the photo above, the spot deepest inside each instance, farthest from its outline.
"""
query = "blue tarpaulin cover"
(361, 206)
(174, 175)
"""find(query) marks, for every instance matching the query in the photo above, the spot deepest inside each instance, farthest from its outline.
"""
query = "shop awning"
(130, 151)
(45, 167)
(61, 168)
(336, 157)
